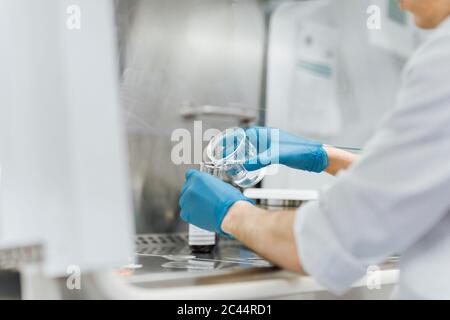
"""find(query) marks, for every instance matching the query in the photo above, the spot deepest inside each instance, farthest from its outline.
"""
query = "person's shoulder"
(432, 58)
(436, 48)
(443, 30)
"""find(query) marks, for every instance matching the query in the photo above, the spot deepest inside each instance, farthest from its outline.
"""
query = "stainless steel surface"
(167, 257)
(273, 204)
(241, 113)
(174, 247)
(177, 53)
(165, 261)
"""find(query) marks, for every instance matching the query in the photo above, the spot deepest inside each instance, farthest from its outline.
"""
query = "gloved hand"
(278, 147)
(205, 201)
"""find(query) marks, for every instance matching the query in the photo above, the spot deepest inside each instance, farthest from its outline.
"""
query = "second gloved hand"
(278, 147)
(205, 201)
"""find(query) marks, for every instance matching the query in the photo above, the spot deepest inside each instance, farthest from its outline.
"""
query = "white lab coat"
(396, 198)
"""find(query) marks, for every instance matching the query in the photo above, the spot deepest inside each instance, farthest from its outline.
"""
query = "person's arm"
(338, 160)
(273, 239)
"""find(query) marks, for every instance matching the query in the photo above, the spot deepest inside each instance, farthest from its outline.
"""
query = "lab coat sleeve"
(397, 192)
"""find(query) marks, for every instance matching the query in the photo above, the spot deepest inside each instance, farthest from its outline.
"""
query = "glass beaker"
(230, 150)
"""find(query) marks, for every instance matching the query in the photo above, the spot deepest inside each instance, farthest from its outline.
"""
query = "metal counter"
(164, 261)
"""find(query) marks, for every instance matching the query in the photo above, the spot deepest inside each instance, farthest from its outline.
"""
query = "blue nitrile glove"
(205, 201)
(278, 147)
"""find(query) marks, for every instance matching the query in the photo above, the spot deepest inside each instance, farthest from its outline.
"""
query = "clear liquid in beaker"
(230, 150)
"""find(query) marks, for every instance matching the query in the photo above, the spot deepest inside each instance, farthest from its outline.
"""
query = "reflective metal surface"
(159, 252)
(271, 204)
(167, 257)
(175, 54)
(165, 261)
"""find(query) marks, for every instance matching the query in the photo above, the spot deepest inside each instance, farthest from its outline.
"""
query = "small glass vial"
(203, 241)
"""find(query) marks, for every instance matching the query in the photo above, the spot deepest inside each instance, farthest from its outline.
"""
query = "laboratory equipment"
(203, 241)
(230, 150)
(281, 199)
(183, 62)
